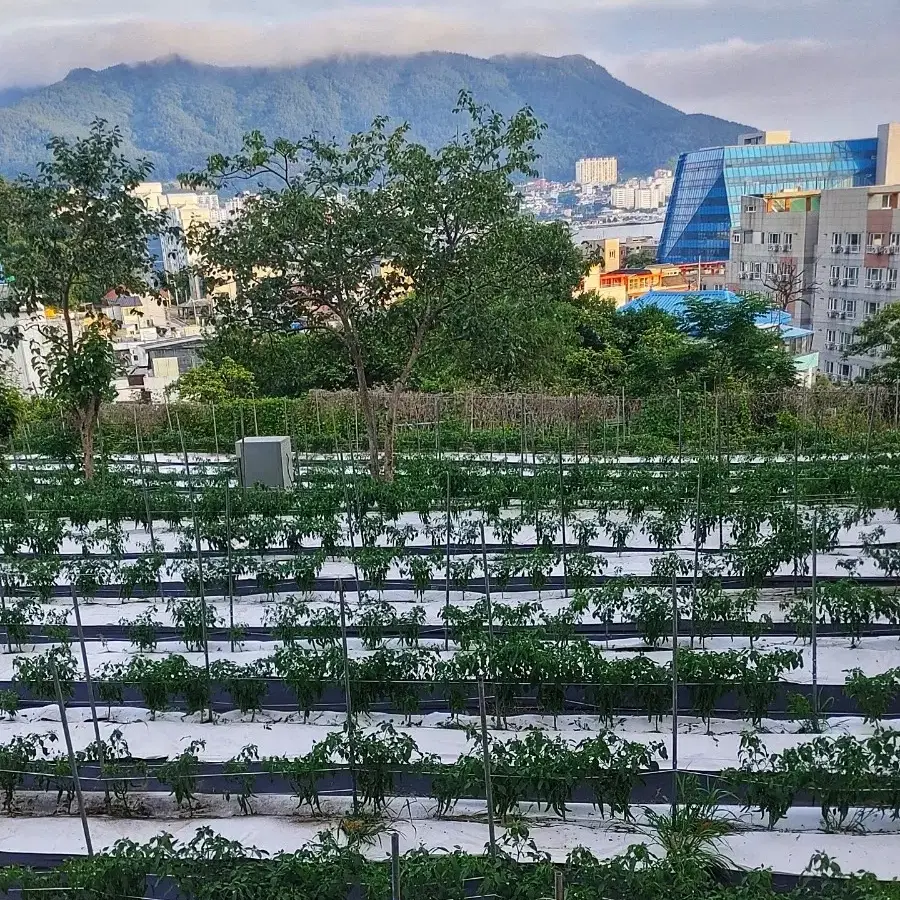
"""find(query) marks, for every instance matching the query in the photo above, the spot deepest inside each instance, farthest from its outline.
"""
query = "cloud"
(820, 89)
(38, 55)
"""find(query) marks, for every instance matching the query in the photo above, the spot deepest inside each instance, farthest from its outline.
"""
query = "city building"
(797, 340)
(774, 250)
(705, 205)
(638, 282)
(858, 261)
(647, 194)
(597, 170)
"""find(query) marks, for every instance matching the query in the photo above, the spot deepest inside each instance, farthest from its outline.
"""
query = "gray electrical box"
(265, 460)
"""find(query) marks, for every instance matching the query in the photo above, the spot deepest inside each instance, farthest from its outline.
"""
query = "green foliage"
(68, 236)
(215, 382)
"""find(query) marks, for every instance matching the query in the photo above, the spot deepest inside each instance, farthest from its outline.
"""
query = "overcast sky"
(824, 68)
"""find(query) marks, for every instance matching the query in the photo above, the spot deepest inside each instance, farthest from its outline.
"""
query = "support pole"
(200, 577)
(486, 751)
(674, 695)
(562, 516)
(813, 624)
(348, 699)
(90, 686)
(76, 780)
(395, 866)
(447, 571)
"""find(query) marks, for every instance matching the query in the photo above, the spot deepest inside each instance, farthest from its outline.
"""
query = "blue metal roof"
(673, 303)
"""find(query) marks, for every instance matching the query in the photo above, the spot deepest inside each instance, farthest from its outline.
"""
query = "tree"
(215, 382)
(640, 259)
(879, 337)
(787, 287)
(351, 237)
(12, 410)
(67, 237)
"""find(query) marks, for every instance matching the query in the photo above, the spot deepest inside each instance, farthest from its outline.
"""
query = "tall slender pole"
(562, 516)
(813, 624)
(447, 570)
(212, 406)
(395, 866)
(73, 765)
(200, 576)
(90, 684)
(351, 724)
(228, 559)
(486, 752)
(674, 694)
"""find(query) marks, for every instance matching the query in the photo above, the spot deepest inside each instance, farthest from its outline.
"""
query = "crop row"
(522, 670)
(209, 866)
(604, 770)
(846, 777)
(741, 493)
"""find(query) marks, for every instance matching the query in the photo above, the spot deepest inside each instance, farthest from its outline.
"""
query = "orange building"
(636, 282)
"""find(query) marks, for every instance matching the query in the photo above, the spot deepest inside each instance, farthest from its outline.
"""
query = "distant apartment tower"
(597, 170)
(706, 199)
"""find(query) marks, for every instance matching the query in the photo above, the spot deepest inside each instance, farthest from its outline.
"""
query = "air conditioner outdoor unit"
(845, 282)
(878, 286)
(832, 314)
(830, 346)
(837, 249)
(833, 281)
(871, 249)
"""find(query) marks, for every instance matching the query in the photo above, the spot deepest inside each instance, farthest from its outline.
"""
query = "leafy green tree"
(340, 235)
(68, 236)
(639, 259)
(879, 336)
(12, 409)
(215, 382)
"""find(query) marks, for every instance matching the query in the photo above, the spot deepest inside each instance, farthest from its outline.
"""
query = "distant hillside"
(176, 113)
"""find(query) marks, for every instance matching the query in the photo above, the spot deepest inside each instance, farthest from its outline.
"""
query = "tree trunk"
(87, 419)
(86, 430)
(370, 418)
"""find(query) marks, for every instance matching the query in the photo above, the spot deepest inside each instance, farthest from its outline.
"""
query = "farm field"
(504, 659)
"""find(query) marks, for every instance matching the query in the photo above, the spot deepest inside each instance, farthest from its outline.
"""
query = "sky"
(822, 68)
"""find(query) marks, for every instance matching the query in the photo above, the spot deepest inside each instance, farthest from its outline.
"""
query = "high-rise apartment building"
(597, 170)
(706, 199)
(834, 254)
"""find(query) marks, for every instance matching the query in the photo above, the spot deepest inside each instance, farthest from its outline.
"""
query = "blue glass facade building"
(706, 198)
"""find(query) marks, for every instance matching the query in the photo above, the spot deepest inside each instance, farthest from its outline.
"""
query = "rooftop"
(673, 303)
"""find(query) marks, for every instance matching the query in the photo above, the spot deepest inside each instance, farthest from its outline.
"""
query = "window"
(788, 240)
(835, 276)
(745, 267)
(851, 275)
(829, 368)
(834, 304)
(845, 370)
(876, 241)
(750, 206)
(852, 241)
(830, 336)
(850, 309)
(871, 308)
(890, 278)
(736, 237)
(770, 268)
(846, 338)
(894, 243)
(885, 201)
(873, 277)
(774, 238)
(837, 240)
(756, 270)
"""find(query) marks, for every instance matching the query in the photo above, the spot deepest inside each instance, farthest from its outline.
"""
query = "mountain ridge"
(176, 112)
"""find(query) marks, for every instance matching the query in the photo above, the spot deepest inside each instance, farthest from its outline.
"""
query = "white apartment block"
(600, 170)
